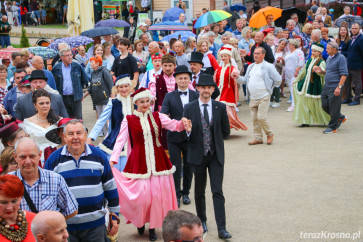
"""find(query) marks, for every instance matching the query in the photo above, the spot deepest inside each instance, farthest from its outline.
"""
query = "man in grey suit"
(25, 108)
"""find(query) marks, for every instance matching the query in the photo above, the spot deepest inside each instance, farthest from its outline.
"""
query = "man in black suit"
(25, 107)
(207, 127)
(173, 105)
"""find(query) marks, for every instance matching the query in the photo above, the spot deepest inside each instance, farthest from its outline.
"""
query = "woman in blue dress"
(115, 111)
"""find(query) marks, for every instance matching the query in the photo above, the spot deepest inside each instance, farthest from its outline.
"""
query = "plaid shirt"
(50, 192)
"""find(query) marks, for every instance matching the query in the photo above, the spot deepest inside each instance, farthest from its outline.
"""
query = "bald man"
(49, 226)
(38, 63)
(153, 48)
(181, 57)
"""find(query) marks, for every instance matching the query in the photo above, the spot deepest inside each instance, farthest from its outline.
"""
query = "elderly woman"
(115, 111)
(146, 186)
(246, 40)
(15, 223)
(7, 161)
(306, 35)
(277, 35)
(190, 45)
(279, 53)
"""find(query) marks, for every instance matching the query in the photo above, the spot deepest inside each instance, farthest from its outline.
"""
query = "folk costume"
(150, 75)
(114, 112)
(228, 89)
(146, 186)
(307, 92)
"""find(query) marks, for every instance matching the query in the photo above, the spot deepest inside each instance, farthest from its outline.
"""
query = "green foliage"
(24, 41)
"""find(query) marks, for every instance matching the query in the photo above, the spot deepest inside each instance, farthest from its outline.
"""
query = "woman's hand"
(187, 124)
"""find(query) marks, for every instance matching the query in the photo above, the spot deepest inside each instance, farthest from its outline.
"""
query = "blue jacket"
(324, 54)
(51, 81)
(10, 100)
(355, 53)
(114, 51)
(78, 76)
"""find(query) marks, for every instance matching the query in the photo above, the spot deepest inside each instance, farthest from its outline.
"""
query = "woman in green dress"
(307, 90)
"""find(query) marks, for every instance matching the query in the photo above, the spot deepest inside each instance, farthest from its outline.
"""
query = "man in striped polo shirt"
(88, 175)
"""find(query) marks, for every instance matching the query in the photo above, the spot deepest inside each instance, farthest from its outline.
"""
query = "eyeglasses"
(67, 55)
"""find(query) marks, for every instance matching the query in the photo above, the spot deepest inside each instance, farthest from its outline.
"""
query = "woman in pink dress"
(146, 185)
(225, 78)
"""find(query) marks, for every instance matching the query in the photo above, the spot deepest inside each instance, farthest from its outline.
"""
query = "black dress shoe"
(223, 234)
(205, 229)
(186, 200)
(152, 235)
(141, 230)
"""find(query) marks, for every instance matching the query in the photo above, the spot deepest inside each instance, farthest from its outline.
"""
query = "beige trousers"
(259, 110)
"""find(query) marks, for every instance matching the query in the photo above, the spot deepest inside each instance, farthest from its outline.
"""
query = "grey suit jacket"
(25, 107)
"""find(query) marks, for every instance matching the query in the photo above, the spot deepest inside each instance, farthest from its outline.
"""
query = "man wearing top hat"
(173, 105)
(207, 129)
(25, 107)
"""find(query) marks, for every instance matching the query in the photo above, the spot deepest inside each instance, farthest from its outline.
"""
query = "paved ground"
(305, 182)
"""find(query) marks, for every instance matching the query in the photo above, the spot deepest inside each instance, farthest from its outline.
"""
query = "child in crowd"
(151, 74)
(43, 14)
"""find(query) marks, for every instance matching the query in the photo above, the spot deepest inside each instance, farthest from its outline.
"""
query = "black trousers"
(175, 151)
(331, 104)
(355, 78)
(210, 163)
(74, 108)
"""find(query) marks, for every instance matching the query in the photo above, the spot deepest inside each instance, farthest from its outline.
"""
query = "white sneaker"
(288, 101)
(276, 105)
(271, 103)
(290, 109)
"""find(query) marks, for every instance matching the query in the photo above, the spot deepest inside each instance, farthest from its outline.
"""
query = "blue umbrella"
(100, 31)
(169, 25)
(73, 42)
(112, 23)
(237, 7)
(44, 52)
(183, 34)
(172, 14)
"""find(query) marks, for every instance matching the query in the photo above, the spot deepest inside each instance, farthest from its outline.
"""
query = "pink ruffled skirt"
(145, 200)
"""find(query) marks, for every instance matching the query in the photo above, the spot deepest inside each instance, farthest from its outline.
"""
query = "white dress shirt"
(197, 79)
(184, 98)
(209, 109)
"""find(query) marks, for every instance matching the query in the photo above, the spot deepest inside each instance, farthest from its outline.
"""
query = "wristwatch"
(340, 86)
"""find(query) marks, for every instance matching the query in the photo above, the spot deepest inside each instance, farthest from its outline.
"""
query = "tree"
(24, 41)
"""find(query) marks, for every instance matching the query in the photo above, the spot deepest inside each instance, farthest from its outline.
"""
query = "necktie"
(183, 93)
(205, 114)
(194, 81)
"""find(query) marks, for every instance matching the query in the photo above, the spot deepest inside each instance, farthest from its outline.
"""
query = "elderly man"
(70, 78)
(235, 54)
(38, 63)
(298, 25)
(291, 27)
(145, 36)
(335, 75)
(270, 23)
(325, 17)
(316, 39)
(49, 226)
(25, 107)
(260, 79)
(44, 190)
(355, 64)
(153, 49)
(5, 29)
(181, 19)
(57, 58)
(180, 225)
(14, 93)
(181, 57)
(240, 24)
(89, 176)
(269, 57)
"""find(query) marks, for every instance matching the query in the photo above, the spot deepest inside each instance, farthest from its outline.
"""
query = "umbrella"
(286, 15)
(237, 7)
(211, 17)
(259, 18)
(349, 19)
(169, 25)
(100, 31)
(6, 53)
(44, 52)
(71, 41)
(172, 14)
(183, 34)
(112, 23)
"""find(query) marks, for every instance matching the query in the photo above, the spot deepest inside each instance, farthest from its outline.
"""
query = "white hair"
(291, 21)
(316, 32)
(64, 50)
(28, 140)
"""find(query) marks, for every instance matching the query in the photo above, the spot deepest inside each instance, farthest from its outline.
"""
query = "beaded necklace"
(15, 232)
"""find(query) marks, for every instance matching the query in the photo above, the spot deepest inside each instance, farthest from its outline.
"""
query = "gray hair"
(210, 33)
(74, 121)
(27, 140)
(62, 45)
(226, 34)
(294, 42)
(278, 30)
(154, 43)
(316, 32)
(293, 15)
(290, 21)
(245, 31)
(64, 50)
(283, 39)
(263, 50)
(318, 15)
(334, 44)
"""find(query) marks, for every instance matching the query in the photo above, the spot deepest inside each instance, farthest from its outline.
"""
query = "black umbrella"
(349, 19)
(99, 31)
(286, 15)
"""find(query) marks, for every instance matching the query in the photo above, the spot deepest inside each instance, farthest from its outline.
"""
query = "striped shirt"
(50, 192)
(91, 181)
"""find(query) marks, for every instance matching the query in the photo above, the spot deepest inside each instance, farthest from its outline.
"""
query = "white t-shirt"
(256, 84)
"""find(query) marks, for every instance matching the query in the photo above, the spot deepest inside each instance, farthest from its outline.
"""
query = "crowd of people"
(163, 112)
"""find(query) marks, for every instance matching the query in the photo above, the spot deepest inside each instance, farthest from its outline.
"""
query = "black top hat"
(206, 80)
(196, 57)
(38, 74)
(182, 69)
